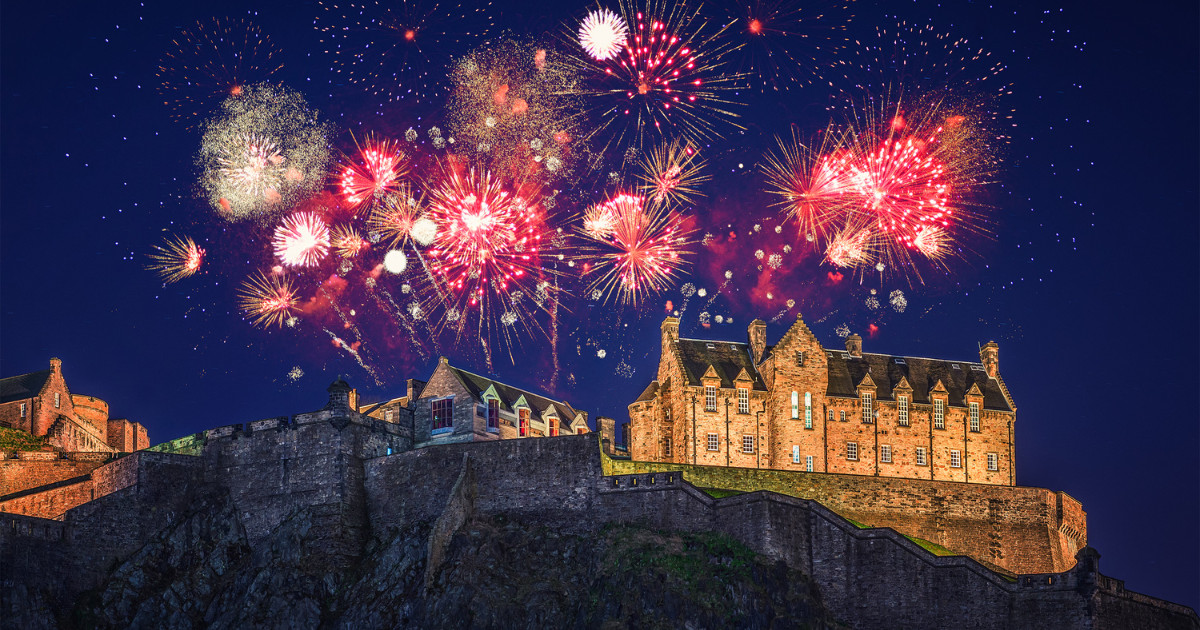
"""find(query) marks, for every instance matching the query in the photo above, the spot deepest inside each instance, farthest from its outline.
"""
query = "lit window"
(580, 431)
(57, 400)
(993, 461)
(852, 451)
(710, 398)
(808, 463)
(807, 410)
(795, 453)
(743, 395)
(830, 415)
(843, 415)
(902, 402)
(920, 456)
(800, 359)
(955, 459)
(667, 415)
(22, 410)
(553, 424)
(939, 413)
(493, 413)
(974, 416)
(523, 423)
(666, 447)
(795, 405)
(867, 415)
(712, 442)
(747, 443)
(443, 412)
(885, 453)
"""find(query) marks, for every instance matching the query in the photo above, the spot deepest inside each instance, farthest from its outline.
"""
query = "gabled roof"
(23, 386)
(648, 393)
(477, 385)
(727, 358)
(846, 372)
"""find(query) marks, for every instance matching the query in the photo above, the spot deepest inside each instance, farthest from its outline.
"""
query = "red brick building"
(41, 403)
(796, 405)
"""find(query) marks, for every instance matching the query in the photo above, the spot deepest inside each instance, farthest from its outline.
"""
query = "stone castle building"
(796, 405)
(40, 403)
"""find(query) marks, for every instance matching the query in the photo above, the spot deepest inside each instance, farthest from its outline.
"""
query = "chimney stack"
(757, 331)
(854, 345)
(56, 365)
(989, 355)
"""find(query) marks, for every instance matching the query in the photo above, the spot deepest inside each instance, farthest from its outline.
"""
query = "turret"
(339, 395)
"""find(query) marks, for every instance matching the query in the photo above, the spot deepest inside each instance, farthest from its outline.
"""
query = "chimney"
(415, 387)
(608, 433)
(854, 345)
(353, 399)
(670, 332)
(339, 395)
(56, 365)
(758, 338)
(989, 355)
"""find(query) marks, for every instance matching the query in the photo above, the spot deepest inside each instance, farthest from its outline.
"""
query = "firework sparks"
(396, 215)
(267, 300)
(211, 61)
(672, 173)
(785, 43)
(812, 182)
(644, 252)
(177, 258)
(849, 248)
(602, 34)
(302, 240)
(375, 170)
(347, 242)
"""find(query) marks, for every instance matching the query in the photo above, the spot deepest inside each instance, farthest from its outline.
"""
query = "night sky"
(1087, 275)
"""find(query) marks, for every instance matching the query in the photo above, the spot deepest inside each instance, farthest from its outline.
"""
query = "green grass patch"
(932, 547)
(18, 440)
(858, 524)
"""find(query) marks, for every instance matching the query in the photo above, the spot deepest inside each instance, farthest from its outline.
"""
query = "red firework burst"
(178, 258)
(642, 253)
(267, 300)
(373, 171)
(302, 240)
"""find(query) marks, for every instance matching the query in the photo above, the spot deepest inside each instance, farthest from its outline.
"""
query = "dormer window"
(442, 411)
(868, 415)
(902, 403)
(552, 423)
(974, 416)
(939, 413)
(899, 361)
(387, 415)
(799, 358)
(523, 421)
(743, 398)
(955, 366)
(710, 345)
(493, 414)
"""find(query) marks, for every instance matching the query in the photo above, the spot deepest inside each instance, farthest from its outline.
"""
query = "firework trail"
(211, 61)
(672, 173)
(341, 344)
(374, 170)
(262, 153)
(268, 300)
(177, 258)
(670, 79)
(302, 240)
(397, 316)
(780, 44)
(396, 50)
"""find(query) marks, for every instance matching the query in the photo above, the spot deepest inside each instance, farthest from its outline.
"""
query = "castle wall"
(24, 472)
(11, 418)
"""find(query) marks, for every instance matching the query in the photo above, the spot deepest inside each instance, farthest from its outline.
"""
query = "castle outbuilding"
(796, 405)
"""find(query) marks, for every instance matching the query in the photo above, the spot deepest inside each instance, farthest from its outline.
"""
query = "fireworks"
(396, 215)
(177, 258)
(643, 253)
(811, 182)
(262, 153)
(347, 242)
(302, 240)
(672, 173)
(267, 300)
(603, 34)
(782, 43)
(396, 49)
(211, 61)
(849, 248)
(395, 262)
(669, 79)
(373, 171)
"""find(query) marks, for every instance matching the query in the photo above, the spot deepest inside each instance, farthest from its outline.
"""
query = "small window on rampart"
(955, 366)
(710, 345)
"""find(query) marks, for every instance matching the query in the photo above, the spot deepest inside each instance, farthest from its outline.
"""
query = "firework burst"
(396, 50)
(267, 299)
(177, 258)
(347, 242)
(213, 60)
(603, 34)
(375, 169)
(396, 216)
(812, 182)
(785, 43)
(672, 173)
(302, 240)
(643, 253)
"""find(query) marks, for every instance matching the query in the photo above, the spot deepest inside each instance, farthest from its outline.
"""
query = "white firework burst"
(602, 34)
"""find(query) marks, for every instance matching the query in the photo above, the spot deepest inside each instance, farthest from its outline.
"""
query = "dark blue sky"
(1090, 284)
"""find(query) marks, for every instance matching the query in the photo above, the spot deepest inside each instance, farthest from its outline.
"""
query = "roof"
(509, 395)
(727, 358)
(846, 372)
(23, 386)
(648, 393)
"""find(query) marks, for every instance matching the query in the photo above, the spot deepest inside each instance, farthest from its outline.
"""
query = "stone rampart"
(22, 474)
(1019, 529)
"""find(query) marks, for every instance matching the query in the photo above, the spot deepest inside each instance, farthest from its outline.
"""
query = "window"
(710, 345)
(553, 424)
(523, 421)
(807, 410)
(387, 415)
(443, 414)
(885, 453)
(899, 361)
(808, 463)
(580, 431)
(747, 443)
(667, 415)
(868, 409)
(939, 413)
(852, 451)
(843, 416)
(710, 398)
(795, 453)
(666, 447)
(993, 462)
(955, 366)
(955, 459)
(22, 410)
(712, 442)
(920, 456)
(800, 358)
(830, 415)
(743, 400)
(493, 414)
(902, 403)
(795, 405)
(57, 400)
(974, 416)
